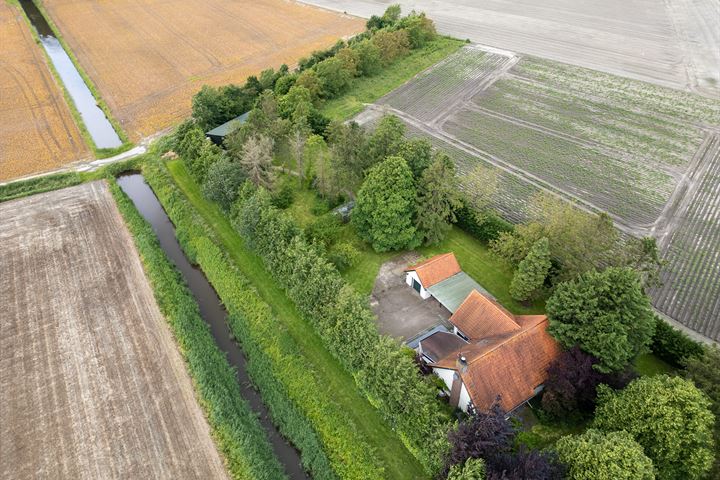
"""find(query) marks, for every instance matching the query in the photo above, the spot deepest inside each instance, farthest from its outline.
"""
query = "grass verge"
(336, 383)
(368, 89)
(236, 429)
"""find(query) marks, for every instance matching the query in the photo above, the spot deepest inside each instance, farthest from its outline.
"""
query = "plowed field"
(148, 58)
(91, 382)
(37, 132)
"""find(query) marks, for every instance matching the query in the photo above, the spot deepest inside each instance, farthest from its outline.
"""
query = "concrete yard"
(91, 382)
(400, 310)
(670, 43)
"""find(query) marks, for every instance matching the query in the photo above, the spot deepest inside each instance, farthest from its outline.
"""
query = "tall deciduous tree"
(606, 313)
(437, 200)
(349, 158)
(383, 213)
(669, 417)
(223, 182)
(297, 141)
(417, 153)
(386, 140)
(595, 455)
(479, 186)
(532, 272)
(256, 160)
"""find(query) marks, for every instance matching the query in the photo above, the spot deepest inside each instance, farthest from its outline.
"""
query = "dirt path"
(91, 382)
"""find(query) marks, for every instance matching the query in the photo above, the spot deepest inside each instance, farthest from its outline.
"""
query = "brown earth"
(37, 131)
(148, 58)
(91, 382)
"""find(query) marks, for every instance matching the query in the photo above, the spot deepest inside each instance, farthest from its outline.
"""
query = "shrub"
(392, 45)
(344, 255)
(595, 455)
(673, 345)
(324, 230)
(284, 193)
(472, 469)
(222, 182)
(532, 271)
(486, 226)
(669, 417)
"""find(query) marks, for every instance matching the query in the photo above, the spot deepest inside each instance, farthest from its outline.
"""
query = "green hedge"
(486, 227)
(329, 443)
(345, 323)
(235, 427)
(673, 345)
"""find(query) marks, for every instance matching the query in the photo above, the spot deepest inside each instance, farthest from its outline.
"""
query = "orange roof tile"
(436, 269)
(480, 317)
(511, 365)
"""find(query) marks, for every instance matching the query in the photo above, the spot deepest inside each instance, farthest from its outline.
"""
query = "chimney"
(461, 363)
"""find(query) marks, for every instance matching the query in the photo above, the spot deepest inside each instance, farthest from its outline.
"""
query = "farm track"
(91, 382)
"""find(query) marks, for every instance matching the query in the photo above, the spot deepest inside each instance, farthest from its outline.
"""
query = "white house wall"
(464, 401)
(446, 375)
(412, 275)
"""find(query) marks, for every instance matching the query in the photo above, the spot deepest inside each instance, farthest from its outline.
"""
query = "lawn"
(398, 461)
(368, 89)
(648, 364)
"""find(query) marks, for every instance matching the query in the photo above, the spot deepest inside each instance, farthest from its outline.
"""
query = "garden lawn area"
(647, 364)
(398, 461)
(368, 89)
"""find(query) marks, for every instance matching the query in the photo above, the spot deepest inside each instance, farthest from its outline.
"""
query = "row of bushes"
(329, 443)
(485, 226)
(673, 345)
(344, 321)
(235, 427)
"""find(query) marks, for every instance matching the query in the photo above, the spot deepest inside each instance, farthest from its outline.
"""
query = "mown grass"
(368, 89)
(397, 460)
(648, 364)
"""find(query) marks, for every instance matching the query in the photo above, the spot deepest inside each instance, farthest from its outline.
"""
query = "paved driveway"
(400, 310)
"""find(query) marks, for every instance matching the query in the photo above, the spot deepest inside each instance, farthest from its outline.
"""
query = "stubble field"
(91, 382)
(148, 58)
(644, 154)
(37, 131)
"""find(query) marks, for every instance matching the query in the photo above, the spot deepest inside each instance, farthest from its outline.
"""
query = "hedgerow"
(32, 186)
(673, 345)
(344, 321)
(235, 426)
(329, 443)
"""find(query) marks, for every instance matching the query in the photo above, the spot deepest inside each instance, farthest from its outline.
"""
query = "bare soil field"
(644, 154)
(37, 131)
(148, 58)
(671, 43)
(91, 382)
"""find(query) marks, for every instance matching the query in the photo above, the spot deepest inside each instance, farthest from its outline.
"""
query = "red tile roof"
(508, 361)
(481, 317)
(436, 269)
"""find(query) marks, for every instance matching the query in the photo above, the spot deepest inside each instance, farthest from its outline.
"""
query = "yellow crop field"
(37, 131)
(148, 57)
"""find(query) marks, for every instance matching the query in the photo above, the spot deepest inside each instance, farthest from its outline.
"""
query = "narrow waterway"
(212, 312)
(101, 131)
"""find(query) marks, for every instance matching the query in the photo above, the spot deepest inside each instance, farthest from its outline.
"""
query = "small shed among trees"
(218, 134)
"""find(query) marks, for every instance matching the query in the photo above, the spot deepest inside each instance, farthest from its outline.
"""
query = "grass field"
(397, 460)
(147, 59)
(92, 384)
(37, 132)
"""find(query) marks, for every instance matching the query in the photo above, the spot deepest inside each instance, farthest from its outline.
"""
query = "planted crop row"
(639, 135)
(691, 280)
(235, 427)
(633, 192)
(329, 442)
(429, 93)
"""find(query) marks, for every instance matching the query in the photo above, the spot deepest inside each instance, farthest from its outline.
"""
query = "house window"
(460, 334)
(416, 285)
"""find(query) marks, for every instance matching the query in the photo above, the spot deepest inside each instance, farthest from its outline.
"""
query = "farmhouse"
(218, 134)
(490, 351)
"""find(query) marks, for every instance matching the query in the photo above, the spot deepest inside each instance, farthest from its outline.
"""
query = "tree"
(347, 147)
(526, 465)
(606, 313)
(437, 200)
(418, 155)
(704, 371)
(310, 80)
(571, 384)
(349, 58)
(472, 469)
(368, 58)
(317, 165)
(388, 19)
(214, 106)
(296, 104)
(483, 435)
(384, 209)
(256, 160)
(532, 272)
(420, 29)
(223, 181)
(333, 76)
(386, 140)
(596, 455)
(297, 141)
(392, 45)
(480, 186)
(669, 417)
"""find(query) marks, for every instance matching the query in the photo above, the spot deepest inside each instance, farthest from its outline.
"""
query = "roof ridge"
(500, 344)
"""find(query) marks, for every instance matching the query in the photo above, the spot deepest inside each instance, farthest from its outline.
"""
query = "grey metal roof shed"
(452, 291)
(218, 134)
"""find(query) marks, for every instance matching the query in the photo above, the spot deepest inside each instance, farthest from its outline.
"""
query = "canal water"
(101, 131)
(212, 312)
